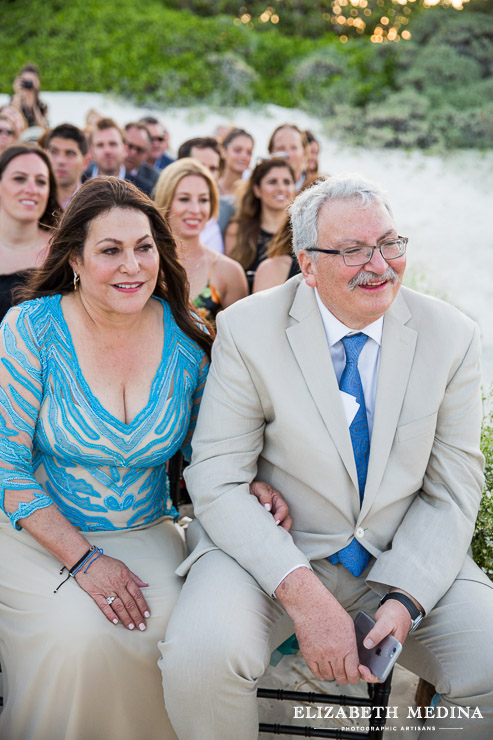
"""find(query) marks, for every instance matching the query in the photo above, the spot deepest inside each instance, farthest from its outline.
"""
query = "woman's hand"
(273, 502)
(110, 578)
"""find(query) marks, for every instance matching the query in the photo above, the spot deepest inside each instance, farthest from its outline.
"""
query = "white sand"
(440, 202)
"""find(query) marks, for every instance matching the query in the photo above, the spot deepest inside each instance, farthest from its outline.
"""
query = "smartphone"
(380, 658)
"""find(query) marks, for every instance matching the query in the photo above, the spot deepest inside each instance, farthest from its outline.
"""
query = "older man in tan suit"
(359, 400)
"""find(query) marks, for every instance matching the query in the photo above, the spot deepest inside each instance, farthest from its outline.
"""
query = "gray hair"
(305, 209)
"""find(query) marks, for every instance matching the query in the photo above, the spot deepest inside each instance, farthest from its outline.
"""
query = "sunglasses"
(138, 149)
(7, 131)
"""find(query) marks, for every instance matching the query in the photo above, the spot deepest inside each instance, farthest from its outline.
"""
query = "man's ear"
(307, 267)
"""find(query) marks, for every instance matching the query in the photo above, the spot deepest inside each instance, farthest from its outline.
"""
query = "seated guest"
(186, 195)
(83, 473)
(236, 149)
(361, 401)
(158, 155)
(92, 117)
(313, 153)
(67, 149)
(102, 372)
(26, 97)
(261, 211)
(205, 150)
(28, 212)
(16, 116)
(291, 142)
(107, 150)
(137, 144)
(8, 134)
(281, 263)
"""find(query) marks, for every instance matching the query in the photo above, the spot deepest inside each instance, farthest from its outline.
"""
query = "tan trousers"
(69, 674)
(224, 628)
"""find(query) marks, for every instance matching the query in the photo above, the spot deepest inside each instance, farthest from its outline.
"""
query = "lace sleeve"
(20, 400)
(197, 397)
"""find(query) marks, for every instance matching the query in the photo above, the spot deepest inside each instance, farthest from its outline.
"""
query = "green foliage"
(309, 18)
(124, 48)
(482, 543)
(437, 93)
(433, 91)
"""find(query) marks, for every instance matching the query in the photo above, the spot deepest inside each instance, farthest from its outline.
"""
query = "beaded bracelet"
(87, 559)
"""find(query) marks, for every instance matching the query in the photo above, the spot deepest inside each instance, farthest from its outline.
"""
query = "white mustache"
(363, 278)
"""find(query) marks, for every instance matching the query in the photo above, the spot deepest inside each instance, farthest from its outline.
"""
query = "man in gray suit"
(360, 401)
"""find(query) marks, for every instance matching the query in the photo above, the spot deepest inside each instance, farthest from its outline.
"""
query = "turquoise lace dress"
(100, 472)
(68, 672)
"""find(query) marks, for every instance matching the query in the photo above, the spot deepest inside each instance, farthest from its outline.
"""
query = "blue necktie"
(354, 557)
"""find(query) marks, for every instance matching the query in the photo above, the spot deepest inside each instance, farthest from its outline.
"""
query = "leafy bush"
(433, 91)
(236, 79)
(482, 543)
(438, 65)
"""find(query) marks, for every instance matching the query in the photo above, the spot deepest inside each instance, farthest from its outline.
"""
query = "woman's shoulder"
(30, 324)
(32, 310)
(228, 266)
(175, 334)
(272, 271)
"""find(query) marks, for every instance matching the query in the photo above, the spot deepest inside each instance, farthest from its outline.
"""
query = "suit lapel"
(309, 344)
(396, 359)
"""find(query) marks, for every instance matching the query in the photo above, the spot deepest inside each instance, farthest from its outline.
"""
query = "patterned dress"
(208, 301)
(59, 445)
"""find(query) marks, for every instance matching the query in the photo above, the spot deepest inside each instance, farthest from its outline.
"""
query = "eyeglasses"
(353, 256)
(138, 149)
(157, 138)
(7, 131)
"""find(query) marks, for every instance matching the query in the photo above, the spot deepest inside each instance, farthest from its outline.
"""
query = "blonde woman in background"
(187, 196)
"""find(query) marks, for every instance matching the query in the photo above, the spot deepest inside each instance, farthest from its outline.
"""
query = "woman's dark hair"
(96, 198)
(233, 134)
(52, 212)
(250, 210)
(30, 67)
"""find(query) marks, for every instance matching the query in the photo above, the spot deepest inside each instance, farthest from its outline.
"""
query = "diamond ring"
(110, 599)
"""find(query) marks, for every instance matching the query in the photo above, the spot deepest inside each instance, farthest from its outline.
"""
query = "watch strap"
(406, 601)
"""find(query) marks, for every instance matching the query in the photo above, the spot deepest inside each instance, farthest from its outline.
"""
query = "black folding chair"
(378, 699)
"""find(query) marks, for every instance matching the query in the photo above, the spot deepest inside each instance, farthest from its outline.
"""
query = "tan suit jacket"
(272, 411)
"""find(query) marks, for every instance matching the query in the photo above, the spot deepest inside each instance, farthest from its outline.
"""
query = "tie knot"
(353, 346)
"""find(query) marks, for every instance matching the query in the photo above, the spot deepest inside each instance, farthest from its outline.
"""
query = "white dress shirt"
(210, 236)
(368, 363)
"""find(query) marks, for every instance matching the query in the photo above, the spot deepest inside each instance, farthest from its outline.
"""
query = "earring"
(76, 280)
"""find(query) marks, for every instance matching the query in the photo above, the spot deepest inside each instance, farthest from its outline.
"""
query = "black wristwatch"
(416, 614)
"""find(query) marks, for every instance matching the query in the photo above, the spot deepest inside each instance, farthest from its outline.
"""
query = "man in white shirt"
(360, 401)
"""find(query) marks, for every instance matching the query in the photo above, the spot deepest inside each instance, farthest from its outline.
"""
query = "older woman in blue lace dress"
(101, 375)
